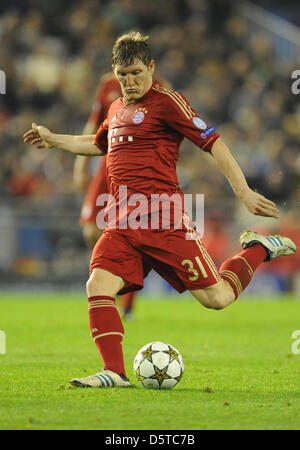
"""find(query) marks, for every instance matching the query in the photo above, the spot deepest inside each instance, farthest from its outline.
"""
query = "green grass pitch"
(240, 370)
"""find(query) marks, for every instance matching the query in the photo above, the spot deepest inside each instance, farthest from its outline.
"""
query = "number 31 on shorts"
(191, 269)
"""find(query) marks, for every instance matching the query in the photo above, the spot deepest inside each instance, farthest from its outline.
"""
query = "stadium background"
(233, 61)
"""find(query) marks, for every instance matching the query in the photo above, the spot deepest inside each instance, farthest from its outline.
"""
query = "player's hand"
(259, 205)
(39, 136)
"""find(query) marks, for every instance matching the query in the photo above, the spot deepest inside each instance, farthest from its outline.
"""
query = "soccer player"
(108, 90)
(141, 137)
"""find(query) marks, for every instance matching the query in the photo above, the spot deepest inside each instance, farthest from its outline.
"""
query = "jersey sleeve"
(180, 116)
(101, 137)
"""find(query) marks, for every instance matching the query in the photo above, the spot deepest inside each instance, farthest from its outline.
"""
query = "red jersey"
(142, 141)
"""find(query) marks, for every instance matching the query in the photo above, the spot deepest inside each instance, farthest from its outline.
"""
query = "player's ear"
(152, 66)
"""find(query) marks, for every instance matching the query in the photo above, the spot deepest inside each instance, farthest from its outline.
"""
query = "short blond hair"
(129, 47)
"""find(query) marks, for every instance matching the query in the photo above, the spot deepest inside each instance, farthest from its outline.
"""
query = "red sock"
(127, 300)
(239, 270)
(107, 331)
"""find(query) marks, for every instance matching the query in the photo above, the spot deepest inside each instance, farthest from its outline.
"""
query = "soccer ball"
(158, 366)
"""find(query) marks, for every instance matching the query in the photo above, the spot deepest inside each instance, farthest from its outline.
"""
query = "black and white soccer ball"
(158, 366)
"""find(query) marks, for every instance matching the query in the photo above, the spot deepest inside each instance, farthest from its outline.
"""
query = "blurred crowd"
(53, 54)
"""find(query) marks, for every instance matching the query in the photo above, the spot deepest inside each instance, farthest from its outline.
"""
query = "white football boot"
(104, 379)
(275, 245)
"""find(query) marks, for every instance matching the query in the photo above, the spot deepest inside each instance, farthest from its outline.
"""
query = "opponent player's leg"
(237, 272)
(127, 302)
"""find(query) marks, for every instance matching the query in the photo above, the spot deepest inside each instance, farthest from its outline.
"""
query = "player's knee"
(95, 286)
(102, 282)
(212, 300)
(215, 297)
(89, 286)
(218, 302)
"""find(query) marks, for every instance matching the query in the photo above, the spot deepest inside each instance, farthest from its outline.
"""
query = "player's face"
(135, 80)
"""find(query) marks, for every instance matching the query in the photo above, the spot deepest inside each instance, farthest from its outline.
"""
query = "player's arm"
(181, 116)
(256, 203)
(79, 145)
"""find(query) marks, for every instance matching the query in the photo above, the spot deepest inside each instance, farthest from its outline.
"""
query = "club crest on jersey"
(139, 115)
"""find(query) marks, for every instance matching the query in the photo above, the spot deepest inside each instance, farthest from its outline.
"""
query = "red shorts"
(97, 186)
(132, 254)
